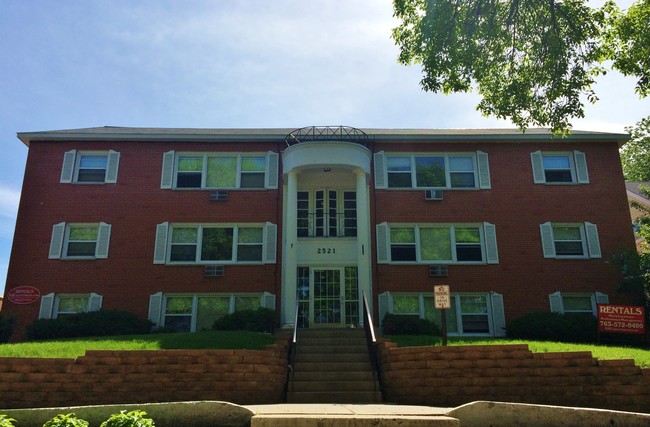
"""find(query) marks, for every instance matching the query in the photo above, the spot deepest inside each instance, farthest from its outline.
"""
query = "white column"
(363, 238)
(290, 261)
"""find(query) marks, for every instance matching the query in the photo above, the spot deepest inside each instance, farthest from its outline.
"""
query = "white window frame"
(577, 165)
(163, 246)
(61, 239)
(72, 161)
(588, 235)
(485, 230)
(556, 301)
(171, 160)
(158, 304)
(49, 308)
(480, 165)
(496, 320)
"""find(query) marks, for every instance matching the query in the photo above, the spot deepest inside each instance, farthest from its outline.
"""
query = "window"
(437, 243)
(190, 313)
(80, 241)
(570, 240)
(215, 243)
(577, 303)
(327, 213)
(219, 170)
(559, 168)
(445, 171)
(470, 314)
(93, 167)
(60, 305)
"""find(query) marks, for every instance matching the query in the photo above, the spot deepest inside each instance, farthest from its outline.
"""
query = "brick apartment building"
(182, 226)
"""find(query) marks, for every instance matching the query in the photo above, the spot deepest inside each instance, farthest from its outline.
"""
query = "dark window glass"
(475, 323)
(217, 244)
(252, 180)
(402, 252)
(81, 249)
(178, 323)
(91, 175)
(430, 171)
(188, 180)
(558, 176)
(568, 248)
(249, 252)
(468, 253)
(462, 179)
(399, 180)
(183, 253)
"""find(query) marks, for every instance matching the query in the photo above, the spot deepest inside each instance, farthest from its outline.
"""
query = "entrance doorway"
(327, 297)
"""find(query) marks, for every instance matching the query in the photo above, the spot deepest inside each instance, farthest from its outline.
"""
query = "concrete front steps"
(349, 415)
(333, 366)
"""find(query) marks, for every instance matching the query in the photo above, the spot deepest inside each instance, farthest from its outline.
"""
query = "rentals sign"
(621, 319)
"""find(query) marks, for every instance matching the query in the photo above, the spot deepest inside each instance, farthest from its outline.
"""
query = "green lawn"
(71, 348)
(602, 352)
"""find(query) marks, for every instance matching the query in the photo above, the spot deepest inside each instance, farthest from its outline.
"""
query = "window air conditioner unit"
(219, 196)
(433, 194)
(213, 271)
(438, 271)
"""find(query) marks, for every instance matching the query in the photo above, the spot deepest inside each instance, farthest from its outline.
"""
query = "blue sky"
(214, 63)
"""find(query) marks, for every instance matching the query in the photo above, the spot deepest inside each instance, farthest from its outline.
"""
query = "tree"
(635, 154)
(532, 61)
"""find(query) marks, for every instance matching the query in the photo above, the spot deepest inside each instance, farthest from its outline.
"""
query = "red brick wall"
(136, 204)
(133, 206)
(517, 207)
(452, 376)
(116, 377)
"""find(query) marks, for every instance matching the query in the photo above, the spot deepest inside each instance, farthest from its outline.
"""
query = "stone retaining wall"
(451, 376)
(115, 377)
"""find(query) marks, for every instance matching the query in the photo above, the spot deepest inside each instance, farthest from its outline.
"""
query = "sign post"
(442, 301)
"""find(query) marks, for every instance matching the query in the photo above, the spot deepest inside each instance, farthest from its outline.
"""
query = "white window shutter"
(491, 252)
(272, 169)
(538, 167)
(582, 173)
(95, 302)
(381, 176)
(498, 315)
(548, 244)
(167, 178)
(593, 243)
(270, 243)
(383, 243)
(56, 244)
(155, 308)
(112, 167)
(598, 298)
(160, 250)
(385, 306)
(47, 306)
(555, 301)
(103, 239)
(484, 181)
(67, 171)
(268, 300)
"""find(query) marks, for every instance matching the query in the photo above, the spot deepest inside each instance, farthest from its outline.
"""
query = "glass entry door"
(327, 297)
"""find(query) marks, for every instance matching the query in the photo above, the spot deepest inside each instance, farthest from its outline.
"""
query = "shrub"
(128, 419)
(68, 420)
(6, 422)
(95, 323)
(399, 324)
(6, 329)
(545, 326)
(260, 320)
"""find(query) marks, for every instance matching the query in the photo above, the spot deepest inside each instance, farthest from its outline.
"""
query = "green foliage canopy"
(532, 61)
(635, 154)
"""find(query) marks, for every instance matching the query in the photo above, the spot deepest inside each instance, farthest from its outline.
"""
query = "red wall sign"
(23, 295)
(621, 319)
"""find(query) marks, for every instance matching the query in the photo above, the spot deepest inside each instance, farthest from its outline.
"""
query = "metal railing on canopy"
(327, 133)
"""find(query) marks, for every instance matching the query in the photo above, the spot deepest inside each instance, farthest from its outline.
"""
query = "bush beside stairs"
(333, 366)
